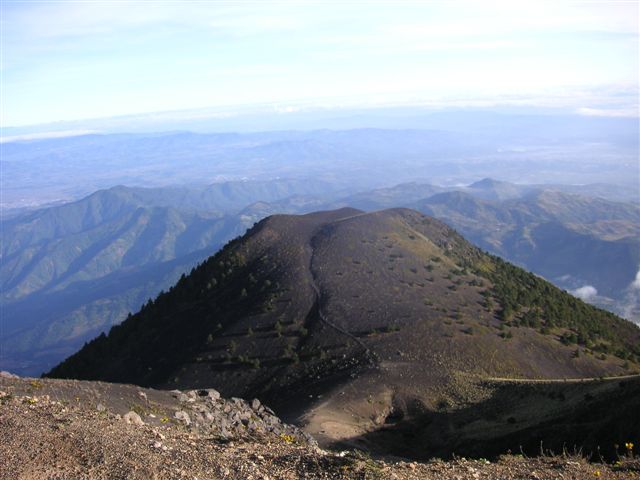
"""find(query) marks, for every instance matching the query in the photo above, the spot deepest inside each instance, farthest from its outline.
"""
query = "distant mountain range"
(554, 234)
(69, 272)
(350, 320)
(446, 148)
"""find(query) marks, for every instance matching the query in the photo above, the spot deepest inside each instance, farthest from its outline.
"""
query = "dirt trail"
(559, 380)
(314, 285)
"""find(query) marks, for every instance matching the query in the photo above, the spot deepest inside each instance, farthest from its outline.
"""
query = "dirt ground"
(70, 437)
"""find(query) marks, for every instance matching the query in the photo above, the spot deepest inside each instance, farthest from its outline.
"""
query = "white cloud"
(585, 293)
(44, 135)
(505, 18)
(72, 19)
(609, 112)
(159, 56)
(631, 307)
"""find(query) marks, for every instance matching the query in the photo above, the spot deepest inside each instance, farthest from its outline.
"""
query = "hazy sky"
(74, 60)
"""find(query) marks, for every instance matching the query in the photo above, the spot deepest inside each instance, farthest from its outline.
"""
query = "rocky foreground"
(62, 429)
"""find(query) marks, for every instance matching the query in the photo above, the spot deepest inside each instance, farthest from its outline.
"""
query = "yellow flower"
(629, 446)
(287, 438)
(597, 473)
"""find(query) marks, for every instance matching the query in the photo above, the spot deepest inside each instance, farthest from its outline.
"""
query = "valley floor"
(58, 429)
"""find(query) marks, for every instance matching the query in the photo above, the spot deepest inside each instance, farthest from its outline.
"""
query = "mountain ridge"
(514, 228)
(347, 311)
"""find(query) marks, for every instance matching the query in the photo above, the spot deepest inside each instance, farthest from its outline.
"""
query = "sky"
(65, 61)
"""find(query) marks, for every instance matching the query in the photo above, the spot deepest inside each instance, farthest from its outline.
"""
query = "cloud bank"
(585, 293)
(75, 60)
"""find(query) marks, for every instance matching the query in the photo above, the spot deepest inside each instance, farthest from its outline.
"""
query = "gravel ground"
(46, 438)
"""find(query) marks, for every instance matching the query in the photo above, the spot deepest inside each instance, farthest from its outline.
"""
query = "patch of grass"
(139, 409)
(36, 384)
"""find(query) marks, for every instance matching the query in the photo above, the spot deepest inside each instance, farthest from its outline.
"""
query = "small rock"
(255, 404)
(255, 426)
(183, 417)
(133, 418)
(213, 394)
(100, 407)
